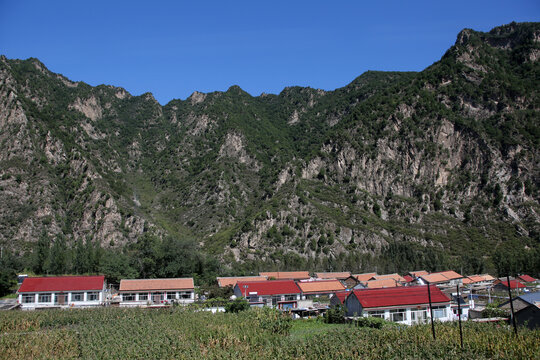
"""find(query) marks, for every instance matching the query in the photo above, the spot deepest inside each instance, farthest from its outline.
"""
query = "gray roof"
(531, 298)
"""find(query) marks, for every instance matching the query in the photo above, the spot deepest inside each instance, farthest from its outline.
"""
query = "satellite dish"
(233, 297)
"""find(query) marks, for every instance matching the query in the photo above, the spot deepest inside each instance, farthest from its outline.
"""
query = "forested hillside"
(396, 171)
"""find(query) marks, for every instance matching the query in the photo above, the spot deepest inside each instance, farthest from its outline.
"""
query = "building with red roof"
(278, 293)
(339, 297)
(527, 278)
(502, 285)
(407, 304)
(61, 291)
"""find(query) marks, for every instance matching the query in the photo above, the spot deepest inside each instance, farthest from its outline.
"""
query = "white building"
(406, 305)
(156, 292)
(61, 292)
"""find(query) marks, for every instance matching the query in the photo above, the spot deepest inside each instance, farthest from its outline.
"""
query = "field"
(183, 334)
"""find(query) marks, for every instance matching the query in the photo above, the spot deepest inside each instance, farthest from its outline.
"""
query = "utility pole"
(511, 304)
(431, 310)
(459, 315)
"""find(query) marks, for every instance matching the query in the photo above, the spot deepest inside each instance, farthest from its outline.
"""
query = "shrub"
(335, 315)
(236, 306)
(273, 320)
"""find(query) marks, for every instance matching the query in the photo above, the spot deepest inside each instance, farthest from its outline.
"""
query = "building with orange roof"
(396, 277)
(415, 274)
(478, 280)
(232, 280)
(381, 283)
(286, 275)
(333, 275)
(156, 292)
(311, 289)
(441, 279)
(365, 276)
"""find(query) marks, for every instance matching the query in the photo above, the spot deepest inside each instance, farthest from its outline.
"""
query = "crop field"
(178, 333)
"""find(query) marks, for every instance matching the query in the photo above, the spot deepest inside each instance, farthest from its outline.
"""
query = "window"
(44, 298)
(93, 295)
(185, 295)
(61, 299)
(143, 296)
(377, 313)
(290, 297)
(171, 295)
(398, 315)
(419, 315)
(439, 312)
(78, 296)
(28, 298)
(128, 297)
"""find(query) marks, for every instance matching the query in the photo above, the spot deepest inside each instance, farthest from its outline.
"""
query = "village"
(414, 298)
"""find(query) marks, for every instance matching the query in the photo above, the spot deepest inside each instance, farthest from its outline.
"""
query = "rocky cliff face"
(445, 159)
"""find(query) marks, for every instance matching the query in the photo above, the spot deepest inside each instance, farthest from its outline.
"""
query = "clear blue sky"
(172, 48)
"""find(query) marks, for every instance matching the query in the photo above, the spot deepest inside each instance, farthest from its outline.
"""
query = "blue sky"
(172, 48)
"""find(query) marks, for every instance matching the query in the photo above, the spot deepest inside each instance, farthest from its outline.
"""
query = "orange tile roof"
(333, 275)
(232, 280)
(364, 277)
(418, 273)
(435, 278)
(450, 274)
(382, 283)
(156, 284)
(477, 278)
(394, 276)
(321, 286)
(286, 275)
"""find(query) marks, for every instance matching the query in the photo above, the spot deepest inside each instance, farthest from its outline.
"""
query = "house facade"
(283, 294)
(156, 292)
(406, 305)
(61, 292)
(315, 289)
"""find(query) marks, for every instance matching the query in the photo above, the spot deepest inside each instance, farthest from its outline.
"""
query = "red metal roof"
(399, 296)
(408, 278)
(342, 295)
(513, 284)
(271, 287)
(527, 278)
(62, 283)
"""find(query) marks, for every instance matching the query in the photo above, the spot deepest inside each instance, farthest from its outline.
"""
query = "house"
(502, 285)
(61, 292)
(286, 275)
(522, 301)
(232, 280)
(350, 282)
(529, 316)
(333, 275)
(381, 283)
(156, 292)
(416, 274)
(364, 277)
(313, 289)
(441, 279)
(527, 279)
(407, 304)
(478, 281)
(339, 297)
(282, 294)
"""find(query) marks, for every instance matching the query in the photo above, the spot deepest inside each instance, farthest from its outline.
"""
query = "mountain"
(395, 171)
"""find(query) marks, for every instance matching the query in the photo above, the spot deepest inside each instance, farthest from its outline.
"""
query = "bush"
(236, 306)
(335, 315)
(372, 322)
(273, 320)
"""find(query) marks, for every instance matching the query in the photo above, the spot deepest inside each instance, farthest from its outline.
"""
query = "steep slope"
(396, 170)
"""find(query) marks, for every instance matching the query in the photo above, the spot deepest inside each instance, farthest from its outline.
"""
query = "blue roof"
(531, 298)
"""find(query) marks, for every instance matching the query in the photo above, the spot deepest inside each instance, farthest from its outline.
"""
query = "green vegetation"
(180, 333)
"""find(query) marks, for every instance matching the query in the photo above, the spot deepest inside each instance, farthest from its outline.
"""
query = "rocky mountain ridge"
(395, 169)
